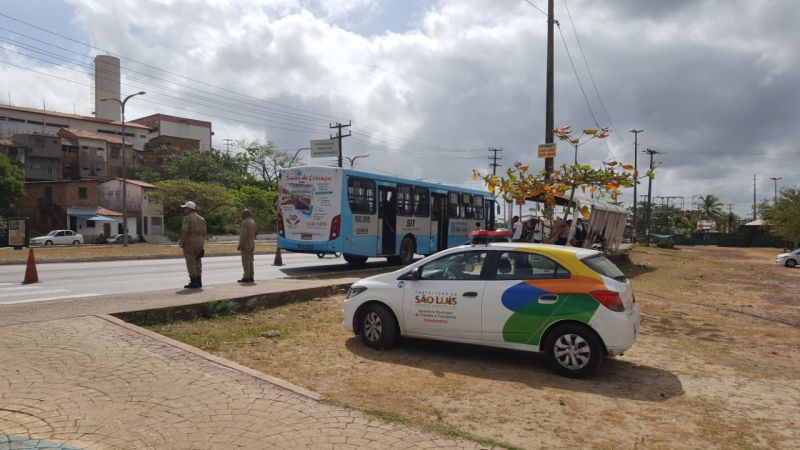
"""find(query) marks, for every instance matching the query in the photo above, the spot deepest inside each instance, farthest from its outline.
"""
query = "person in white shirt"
(516, 225)
(537, 232)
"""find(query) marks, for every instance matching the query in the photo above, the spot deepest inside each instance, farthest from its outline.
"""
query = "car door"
(59, 238)
(446, 299)
(525, 292)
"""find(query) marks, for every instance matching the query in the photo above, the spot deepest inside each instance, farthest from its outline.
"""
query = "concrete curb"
(208, 309)
(212, 358)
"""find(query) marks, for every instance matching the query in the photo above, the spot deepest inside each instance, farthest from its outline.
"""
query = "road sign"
(324, 148)
(547, 150)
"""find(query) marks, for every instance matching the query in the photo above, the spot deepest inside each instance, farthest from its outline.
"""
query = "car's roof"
(576, 252)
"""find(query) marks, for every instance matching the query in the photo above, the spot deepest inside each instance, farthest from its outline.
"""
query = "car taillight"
(336, 225)
(281, 232)
(609, 299)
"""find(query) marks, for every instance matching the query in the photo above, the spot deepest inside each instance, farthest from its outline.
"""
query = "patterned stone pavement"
(92, 382)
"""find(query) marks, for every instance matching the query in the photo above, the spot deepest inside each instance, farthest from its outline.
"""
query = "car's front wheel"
(791, 263)
(573, 350)
(48, 243)
(378, 327)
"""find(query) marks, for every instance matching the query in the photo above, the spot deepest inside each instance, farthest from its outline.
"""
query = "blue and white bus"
(361, 215)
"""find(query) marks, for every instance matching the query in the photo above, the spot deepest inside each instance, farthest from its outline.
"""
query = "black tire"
(48, 243)
(378, 327)
(76, 242)
(320, 255)
(336, 254)
(393, 260)
(355, 260)
(573, 350)
(407, 250)
(791, 263)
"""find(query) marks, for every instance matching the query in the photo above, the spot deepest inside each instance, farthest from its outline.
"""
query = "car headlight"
(354, 290)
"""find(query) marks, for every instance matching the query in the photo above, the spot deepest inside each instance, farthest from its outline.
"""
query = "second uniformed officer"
(247, 245)
(193, 237)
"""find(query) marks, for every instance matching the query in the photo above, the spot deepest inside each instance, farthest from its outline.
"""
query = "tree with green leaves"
(12, 186)
(202, 166)
(265, 161)
(216, 203)
(784, 215)
(261, 203)
(710, 207)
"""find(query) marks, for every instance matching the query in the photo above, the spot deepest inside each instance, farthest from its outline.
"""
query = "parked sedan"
(58, 237)
(120, 239)
(788, 259)
(572, 304)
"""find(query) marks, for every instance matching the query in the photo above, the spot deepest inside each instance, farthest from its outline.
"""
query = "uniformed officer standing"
(193, 236)
(247, 245)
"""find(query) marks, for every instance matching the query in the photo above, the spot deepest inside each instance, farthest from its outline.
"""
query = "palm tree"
(710, 206)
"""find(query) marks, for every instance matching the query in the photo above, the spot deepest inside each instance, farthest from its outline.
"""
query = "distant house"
(145, 215)
(96, 155)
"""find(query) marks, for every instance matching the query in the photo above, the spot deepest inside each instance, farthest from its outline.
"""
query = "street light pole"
(636, 175)
(775, 198)
(124, 175)
(297, 153)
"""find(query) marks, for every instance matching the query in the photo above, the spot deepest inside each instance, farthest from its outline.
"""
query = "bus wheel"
(355, 260)
(407, 251)
(320, 255)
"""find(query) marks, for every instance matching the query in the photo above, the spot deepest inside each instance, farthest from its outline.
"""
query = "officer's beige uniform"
(194, 230)
(247, 245)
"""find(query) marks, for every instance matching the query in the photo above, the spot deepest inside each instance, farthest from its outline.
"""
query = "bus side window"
(361, 196)
(421, 202)
(405, 207)
(453, 207)
(477, 202)
(466, 206)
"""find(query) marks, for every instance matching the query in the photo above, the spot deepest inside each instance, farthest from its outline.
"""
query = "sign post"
(325, 148)
(547, 151)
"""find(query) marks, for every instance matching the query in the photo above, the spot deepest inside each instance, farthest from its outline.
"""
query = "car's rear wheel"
(355, 260)
(791, 263)
(48, 242)
(378, 327)
(573, 350)
(76, 242)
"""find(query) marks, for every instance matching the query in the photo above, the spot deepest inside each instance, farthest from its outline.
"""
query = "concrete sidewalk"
(73, 377)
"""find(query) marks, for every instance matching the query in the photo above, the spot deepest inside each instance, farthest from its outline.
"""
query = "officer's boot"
(199, 282)
(190, 285)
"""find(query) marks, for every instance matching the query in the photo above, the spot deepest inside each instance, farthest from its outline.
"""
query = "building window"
(82, 192)
(115, 152)
(49, 170)
(90, 224)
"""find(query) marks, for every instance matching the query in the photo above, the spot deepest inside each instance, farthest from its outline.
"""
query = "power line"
(537, 8)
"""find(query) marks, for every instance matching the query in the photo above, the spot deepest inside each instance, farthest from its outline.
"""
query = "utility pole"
(635, 175)
(494, 158)
(754, 197)
(339, 136)
(730, 216)
(775, 198)
(652, 153)
(548, 120)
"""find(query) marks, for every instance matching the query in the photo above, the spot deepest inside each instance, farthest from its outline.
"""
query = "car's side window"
(457, 266)
(528, 266)
(60, 233)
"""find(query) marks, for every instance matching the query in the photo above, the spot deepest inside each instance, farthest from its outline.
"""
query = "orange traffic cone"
(278, 260)
(31, 275)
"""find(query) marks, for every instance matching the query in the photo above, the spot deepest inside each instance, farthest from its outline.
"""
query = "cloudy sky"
(430, 85)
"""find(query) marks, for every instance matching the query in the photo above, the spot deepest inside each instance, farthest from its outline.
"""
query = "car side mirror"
(413, 275)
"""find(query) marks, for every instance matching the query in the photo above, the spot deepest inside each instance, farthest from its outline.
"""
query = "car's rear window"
(603, 266)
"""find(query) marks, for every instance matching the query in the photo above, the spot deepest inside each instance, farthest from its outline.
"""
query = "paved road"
(71, 280)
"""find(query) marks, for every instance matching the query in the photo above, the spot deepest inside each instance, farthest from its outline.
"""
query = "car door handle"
(470, 294)
(548, 298)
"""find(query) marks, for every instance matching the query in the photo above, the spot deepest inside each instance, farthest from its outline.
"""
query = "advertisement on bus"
(309, 199)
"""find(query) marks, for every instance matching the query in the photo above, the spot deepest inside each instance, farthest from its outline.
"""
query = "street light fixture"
(775, 198)
(353, 159)
(124, 176)
(297, 153)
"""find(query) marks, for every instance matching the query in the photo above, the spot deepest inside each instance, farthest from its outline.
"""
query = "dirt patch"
(717, 365)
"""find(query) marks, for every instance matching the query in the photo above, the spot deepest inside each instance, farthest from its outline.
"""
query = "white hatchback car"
(572, 304)
(788, 259)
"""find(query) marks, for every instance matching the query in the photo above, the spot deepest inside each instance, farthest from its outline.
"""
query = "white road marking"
(34, 292)
(31, 300)
(21, 287)
(6, 284)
